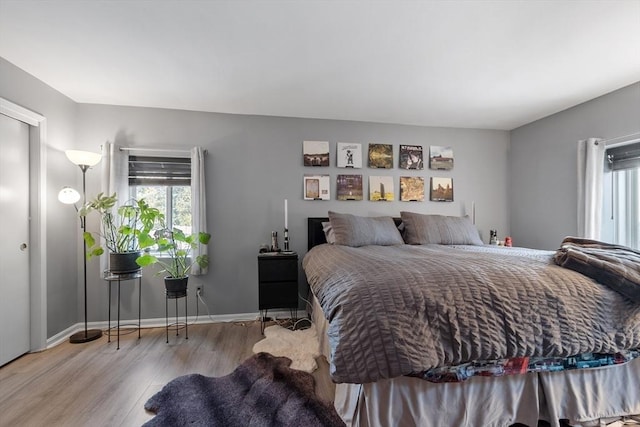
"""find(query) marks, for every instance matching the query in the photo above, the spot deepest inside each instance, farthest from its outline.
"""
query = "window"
(622, 195)
(165, 183)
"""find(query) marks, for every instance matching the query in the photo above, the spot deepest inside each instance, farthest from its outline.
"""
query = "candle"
(473, 212)
(286, 215)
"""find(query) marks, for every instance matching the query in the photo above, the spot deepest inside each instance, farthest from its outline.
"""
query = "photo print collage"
(350, 186)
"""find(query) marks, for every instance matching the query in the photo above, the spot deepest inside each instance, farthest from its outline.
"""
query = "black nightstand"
(277, 282)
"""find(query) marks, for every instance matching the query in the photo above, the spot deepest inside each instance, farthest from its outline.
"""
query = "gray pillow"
(421, 229)
(351, 230)
(329, 235)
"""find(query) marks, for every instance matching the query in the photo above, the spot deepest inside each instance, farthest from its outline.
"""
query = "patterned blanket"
(397, 310)
(523, 365)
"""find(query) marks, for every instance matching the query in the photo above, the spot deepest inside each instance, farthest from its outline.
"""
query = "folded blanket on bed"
(617, 267)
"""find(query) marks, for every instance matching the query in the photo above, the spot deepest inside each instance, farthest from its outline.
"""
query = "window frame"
(153, 177)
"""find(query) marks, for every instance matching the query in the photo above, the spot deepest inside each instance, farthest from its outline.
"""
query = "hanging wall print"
(349, 187)
(381, 156)
(315, 153)
(411, 157)
(440, 158)
(316, 187)
(381, 188)
(411, 189)
(441, 189)
(349, 155)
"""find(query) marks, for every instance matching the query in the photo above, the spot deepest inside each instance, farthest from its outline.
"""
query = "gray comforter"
(394, 310)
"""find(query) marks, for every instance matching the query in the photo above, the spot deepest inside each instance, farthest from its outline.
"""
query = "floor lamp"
(85, 160)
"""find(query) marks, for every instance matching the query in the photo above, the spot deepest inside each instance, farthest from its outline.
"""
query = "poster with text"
(411, 157)
(349, 155)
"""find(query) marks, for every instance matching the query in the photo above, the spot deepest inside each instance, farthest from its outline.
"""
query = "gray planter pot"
(176, 287)
(124, 263)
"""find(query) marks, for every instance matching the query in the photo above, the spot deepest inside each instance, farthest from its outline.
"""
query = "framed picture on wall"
(440, 158)
(315, 153)
(411, 157)
(316, 187)
(441, 189)
(381, 189)
(349, 155)
(349, 187)
(411, 189)
(381, 156)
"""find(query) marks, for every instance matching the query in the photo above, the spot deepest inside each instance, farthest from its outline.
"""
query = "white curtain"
(198, 204)
(115, 179)
(590, 171)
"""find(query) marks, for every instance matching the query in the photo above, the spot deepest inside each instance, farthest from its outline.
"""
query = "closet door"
(14, 239)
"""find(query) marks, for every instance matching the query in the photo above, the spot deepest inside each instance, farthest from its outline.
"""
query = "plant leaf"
(202, 261)
(145, 260)
(145, 240)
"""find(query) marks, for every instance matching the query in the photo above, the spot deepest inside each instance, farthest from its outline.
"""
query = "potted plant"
(125, 230)
(174, 248)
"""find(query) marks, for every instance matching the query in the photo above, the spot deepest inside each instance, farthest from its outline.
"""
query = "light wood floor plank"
(93, 384)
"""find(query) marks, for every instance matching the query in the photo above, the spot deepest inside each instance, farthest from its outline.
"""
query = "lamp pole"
(87, 334)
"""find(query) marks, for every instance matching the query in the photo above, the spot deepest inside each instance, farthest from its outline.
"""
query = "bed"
(390, 314)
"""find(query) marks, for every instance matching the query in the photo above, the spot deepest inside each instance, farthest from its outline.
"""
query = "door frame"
(38, 219)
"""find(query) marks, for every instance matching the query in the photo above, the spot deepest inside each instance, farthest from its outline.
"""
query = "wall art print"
(411, 157)
(349, 155)
(441, 189)
(316, 187)
(381, 156)
(440, 158)
(381, 188)
(411, 189)
(315, 153)
(349, 187)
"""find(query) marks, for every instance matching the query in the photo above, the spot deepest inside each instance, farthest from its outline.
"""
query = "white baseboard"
(160, 322)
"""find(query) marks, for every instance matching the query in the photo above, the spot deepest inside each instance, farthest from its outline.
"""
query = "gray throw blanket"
(617, 267)
(263, 391)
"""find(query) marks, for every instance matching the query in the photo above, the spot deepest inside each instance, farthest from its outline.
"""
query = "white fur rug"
(301, 346)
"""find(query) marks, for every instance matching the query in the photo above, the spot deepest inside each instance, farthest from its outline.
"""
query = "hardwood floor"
(93, 384)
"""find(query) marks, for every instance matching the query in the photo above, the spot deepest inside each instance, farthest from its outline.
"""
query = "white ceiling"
(473, 64)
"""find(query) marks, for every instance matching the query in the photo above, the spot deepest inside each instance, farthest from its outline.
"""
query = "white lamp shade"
(83, 158)
(68, 196)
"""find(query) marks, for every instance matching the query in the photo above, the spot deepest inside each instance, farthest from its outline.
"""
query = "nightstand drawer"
(278, 295)
(277, 270)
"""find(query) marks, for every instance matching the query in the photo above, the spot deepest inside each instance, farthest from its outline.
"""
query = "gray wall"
(255, 162)
(525, 188)
(63, 293)
(543, 164)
